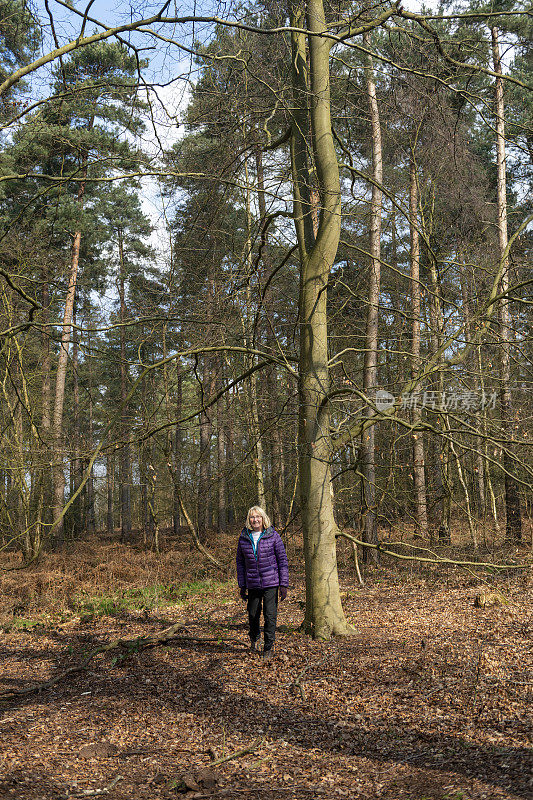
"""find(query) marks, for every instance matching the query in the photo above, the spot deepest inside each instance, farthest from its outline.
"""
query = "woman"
(262, 570)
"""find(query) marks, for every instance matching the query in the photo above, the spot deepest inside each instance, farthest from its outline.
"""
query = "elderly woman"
(262, 571)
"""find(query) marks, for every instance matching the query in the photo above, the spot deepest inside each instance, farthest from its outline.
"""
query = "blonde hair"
(257, 510)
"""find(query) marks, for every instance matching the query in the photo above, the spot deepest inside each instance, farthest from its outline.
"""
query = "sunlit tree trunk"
(91, 509)
(57, 420)
(277, 465)
(46, 363)
(222, 521)
(324, 614)
(419, 464)
(110, 485)
(512, 496)
(370, 369)
(177, 446)
(125, 455)
(75, 476)
(256, 444)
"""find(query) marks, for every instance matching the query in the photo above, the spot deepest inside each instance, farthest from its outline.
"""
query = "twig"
(98, 792)
(237, 753)
(176, 782)
(297, 680)
(436, 560)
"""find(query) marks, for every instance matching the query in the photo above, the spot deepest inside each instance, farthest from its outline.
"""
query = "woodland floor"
(430, 699)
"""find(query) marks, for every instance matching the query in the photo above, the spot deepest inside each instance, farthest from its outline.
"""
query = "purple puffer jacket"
(266, 568)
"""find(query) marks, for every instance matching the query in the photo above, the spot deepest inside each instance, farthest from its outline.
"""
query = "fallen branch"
(131, 646)
(179, 783)
(424, 559)
(237, 753)
(297, 680)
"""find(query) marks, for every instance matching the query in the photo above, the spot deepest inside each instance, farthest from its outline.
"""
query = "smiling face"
(256, 521)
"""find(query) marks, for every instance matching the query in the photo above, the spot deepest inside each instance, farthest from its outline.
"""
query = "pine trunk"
(125, 455)
(512, 496)
(370, 369)
(419, 464)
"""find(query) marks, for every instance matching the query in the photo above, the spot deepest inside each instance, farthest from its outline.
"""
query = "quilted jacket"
(264, 567)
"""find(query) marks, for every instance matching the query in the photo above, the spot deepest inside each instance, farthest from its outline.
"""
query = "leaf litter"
(430, 699)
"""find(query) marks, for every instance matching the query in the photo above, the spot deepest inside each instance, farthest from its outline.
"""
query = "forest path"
(427, 701)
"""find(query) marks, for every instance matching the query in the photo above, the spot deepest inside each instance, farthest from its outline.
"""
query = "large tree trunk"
(419, 468)
(370, 369)
(324, 613)
(512, 496)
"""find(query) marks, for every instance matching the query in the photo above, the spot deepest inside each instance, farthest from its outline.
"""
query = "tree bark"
(177, 446)
(57, 421)
(110, 482)
(419, 468)
(324, 613)
(512, 496)
(370, 369)
(76, 508)
(46, 367)
(125, 455)
(222, 522)
(277, 465)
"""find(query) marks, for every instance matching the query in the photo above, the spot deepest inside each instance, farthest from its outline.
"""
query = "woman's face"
(256, 522)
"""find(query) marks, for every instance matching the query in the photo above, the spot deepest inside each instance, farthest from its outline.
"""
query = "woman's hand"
(244, 594)
(283, 592)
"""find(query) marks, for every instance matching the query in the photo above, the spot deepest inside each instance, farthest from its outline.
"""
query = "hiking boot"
(255, 646)
(268, 654)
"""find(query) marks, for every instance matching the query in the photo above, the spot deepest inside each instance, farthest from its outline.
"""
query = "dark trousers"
(268, 599)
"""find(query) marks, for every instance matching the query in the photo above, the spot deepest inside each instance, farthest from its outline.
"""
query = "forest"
(273, 254)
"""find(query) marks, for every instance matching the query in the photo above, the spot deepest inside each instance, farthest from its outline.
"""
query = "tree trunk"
(324, 613)
(76, 472)
(256, 444)
(204, 477)
(204, 499)
(228, 435)
(177, 446)
(125, 455)
(57, 422)
(370, 369)
(419, 465)
(110, 482)
(222, 522)
(512, 496)
(46, 480)
(277, 465)
(91, 510)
